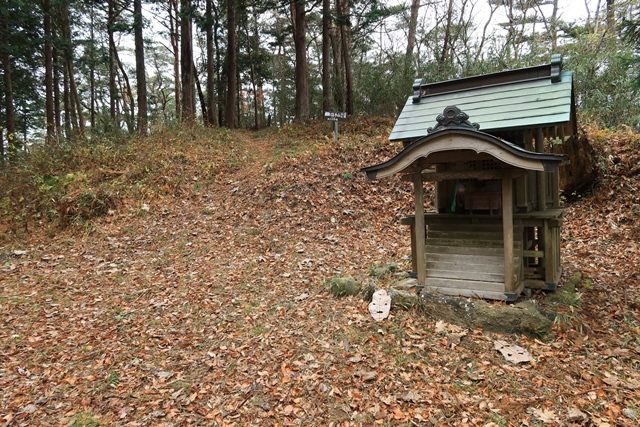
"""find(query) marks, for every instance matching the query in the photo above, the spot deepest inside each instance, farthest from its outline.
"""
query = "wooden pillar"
(414, 261)
(507, 231)
(549, 271)
(418, 190)
(555, 188)
(541, 178)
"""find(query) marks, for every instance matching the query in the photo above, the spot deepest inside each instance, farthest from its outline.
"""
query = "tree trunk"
(92, 71)
(219, 86)
(48, 71)
(129, 103)
(611, 17)
(186, 60)
(447, 35)
(113, 93)
(141, 79)
(554, 27)
(174, 25)
(231, 66)
(66, 102)
(411, 38)
(8, 89)
(212, 113)
(338, 68)
(327, 96)
(75, 106)
(56, 93)
(301, 67)
(345, 37)
(201, 97)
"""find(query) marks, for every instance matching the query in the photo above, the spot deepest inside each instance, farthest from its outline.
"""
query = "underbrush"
(77, 181)
(74, 182)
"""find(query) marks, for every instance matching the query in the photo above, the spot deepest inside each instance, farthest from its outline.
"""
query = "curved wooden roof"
(463, 136)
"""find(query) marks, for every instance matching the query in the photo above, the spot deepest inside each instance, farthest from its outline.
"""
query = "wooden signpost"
(334, 117)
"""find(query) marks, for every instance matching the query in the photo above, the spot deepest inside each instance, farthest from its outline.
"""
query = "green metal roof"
(528, 103)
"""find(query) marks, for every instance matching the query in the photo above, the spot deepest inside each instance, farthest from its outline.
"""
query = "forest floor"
(201, 301)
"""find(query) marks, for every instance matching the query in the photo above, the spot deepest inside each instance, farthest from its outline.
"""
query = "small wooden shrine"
(496, 224)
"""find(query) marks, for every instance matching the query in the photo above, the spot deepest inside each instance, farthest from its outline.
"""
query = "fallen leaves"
(209, 308)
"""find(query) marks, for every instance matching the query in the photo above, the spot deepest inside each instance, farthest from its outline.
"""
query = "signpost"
(334, 117)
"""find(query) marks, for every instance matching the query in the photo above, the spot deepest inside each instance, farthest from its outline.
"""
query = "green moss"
(84, 419)
(383, 269)
(343, 286)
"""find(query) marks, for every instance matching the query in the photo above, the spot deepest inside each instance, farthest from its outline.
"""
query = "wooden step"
(486, 228)
(458, 234)
(472, 285)
(464, 259)
(467, 274)
(495, 267)
(463, 250)
(472, 243)
(494, 295)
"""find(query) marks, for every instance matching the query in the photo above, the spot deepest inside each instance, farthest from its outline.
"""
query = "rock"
(525, 317)
(576, 415)
(511, 352)
(29, 409)
(411, 396)
(582, 168)
(165, 375)
(343, 286)
(630, 413)
(406, 284)
(403, 299)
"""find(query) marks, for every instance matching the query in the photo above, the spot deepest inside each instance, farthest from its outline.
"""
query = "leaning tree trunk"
(327, 97)
(141, 79)
(186, 60)
(129, 103)
(231, 66)
(48, 71)
(201, 97)
(301, 67)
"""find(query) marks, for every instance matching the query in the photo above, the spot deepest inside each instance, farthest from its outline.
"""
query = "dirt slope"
(206, 305)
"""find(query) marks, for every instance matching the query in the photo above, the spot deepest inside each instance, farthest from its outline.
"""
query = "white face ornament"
(380, 305)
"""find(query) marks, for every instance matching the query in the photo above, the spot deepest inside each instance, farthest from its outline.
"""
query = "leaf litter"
(140, 321)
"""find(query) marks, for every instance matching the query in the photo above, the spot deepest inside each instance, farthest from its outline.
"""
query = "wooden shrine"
(495, 227)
